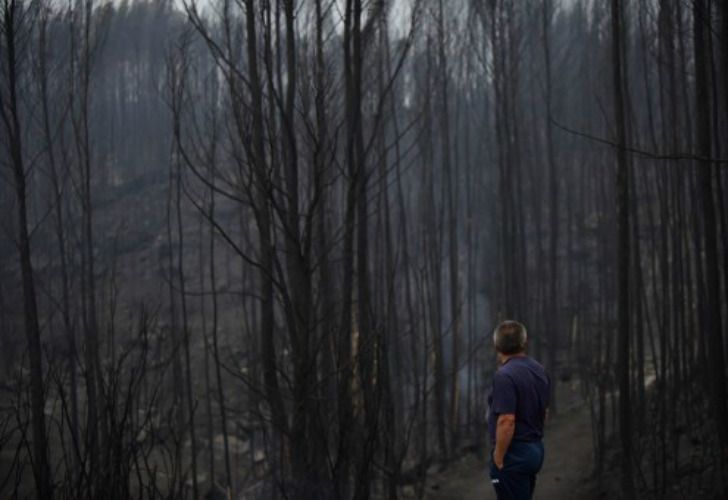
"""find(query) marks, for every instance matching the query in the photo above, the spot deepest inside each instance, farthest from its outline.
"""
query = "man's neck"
(504, 358)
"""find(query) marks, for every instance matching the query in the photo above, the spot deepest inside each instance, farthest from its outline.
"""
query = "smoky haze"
(257, 249)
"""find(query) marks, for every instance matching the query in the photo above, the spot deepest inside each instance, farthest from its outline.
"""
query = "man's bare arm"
(505, 427)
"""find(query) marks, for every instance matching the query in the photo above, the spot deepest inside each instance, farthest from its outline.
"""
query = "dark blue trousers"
(517, 479)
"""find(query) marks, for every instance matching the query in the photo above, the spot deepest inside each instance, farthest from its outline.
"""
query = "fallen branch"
(639, 152)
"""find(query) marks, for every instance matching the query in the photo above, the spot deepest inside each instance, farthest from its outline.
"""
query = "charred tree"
(711, 317)
(623, 248)
(16, 24)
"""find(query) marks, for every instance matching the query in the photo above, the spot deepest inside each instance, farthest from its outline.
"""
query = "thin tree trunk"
(452, 203)
(263, 193)
(712, 310)
(214, 333)
(206, 366)
(191, 401)
(12, 14)
(95, 405)
(623, 251)
(553, 326)
(60, 238)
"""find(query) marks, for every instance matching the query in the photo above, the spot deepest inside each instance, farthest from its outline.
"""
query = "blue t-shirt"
(520, 387)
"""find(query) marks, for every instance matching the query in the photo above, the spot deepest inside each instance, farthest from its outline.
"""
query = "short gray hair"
(510, 337)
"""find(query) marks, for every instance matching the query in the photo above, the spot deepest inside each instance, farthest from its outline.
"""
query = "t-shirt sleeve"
(504, 394)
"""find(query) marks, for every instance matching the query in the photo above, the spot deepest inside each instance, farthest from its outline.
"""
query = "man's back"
(520, 387)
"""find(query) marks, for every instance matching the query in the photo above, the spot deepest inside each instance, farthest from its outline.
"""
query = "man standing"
(518, 405)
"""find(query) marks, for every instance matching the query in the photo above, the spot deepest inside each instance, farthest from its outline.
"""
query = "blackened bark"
(623, 251)
(452, 206)
(12, 24)
(711, 325)
(552, 313)
(263, 192)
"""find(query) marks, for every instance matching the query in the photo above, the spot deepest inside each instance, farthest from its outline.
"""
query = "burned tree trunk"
(711, 321)
(552, 313)
(262, 196)
(16, 23)
(623, 249)
(451, 182)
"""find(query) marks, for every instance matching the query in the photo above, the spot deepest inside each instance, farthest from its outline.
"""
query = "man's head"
(510, 337)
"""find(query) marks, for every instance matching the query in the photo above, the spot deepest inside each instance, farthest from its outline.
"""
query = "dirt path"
(564, 475)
